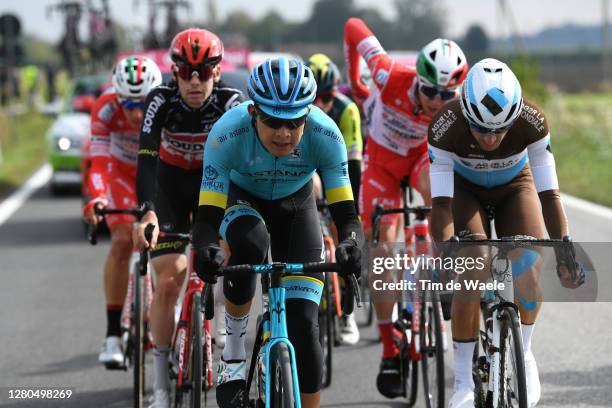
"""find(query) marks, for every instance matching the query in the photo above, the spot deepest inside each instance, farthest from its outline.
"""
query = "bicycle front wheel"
(138, 340)
(196, 352)
(513, 386)
(432, 353)
(282, 393)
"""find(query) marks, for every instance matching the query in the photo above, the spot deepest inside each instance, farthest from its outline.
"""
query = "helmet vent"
(512, 109)
(491, 105)
(475, 110)
(433, 54)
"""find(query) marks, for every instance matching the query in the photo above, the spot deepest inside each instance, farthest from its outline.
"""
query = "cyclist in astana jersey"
(115, 119)
(345, 113)
(398, 109)
(177, 121)
(258, 164)
(491, 148)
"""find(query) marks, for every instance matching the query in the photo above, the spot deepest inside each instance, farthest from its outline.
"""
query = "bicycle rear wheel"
(513, 387)
(432, 353)
(196, 363)
(326, 334)
(282, 393)
(138, 339)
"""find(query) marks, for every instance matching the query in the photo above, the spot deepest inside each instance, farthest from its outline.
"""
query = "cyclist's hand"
(360, 91)
(89, 214)
(571, 273)
(348, 255)
(138, 234)
(207, 261)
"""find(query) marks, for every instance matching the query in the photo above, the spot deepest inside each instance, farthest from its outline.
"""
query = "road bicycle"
(420, 317)
(273, 364)
(135, 328)
(190, 364)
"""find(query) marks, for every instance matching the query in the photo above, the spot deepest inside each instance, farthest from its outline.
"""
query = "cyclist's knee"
(168, 288)
(121, 242)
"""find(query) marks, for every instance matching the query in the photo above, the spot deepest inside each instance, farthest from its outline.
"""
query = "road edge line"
(16, 200)
(588, 206)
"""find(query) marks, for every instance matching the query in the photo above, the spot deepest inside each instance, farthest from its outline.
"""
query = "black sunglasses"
(487, 131)
(277, 123)
(326, 97)
(431, 92)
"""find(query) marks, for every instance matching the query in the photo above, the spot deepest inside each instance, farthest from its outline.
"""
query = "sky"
(531, 15)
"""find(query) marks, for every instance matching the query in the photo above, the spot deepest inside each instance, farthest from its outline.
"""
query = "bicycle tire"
(413, 375)
(138, 340)
(281, 389)
(326, 334)
(511, 346)
(430, 329)
(196, 361)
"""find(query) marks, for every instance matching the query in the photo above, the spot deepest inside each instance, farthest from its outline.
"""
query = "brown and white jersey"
(453, 149)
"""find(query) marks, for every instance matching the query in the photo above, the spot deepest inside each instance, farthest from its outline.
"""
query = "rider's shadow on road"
(76, 364)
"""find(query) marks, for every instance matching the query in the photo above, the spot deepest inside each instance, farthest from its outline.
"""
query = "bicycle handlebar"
(379, 211)
(138, 212)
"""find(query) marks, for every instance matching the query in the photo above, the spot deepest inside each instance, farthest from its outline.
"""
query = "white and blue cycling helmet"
(491, 96)
(282, 87)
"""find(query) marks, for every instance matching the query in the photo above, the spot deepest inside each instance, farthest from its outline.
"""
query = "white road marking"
(587, 206)
(16, 200)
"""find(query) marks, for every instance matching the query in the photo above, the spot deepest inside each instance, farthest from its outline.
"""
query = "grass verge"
(581, 131)
(22, 141)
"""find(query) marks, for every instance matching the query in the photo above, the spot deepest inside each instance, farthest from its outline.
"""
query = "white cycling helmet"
(135, 76)
(491, 96)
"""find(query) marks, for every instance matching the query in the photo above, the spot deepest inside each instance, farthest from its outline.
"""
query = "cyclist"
(345, 114)
(398, 107)
(178, 118)
(492, 148)
(115, 119)
(258, 163)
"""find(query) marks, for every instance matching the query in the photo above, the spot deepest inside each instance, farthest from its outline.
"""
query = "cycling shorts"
(380, 181)
(121, 194)
(176, 203)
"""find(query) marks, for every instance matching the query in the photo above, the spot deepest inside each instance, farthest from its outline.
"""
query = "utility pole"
(605, 47)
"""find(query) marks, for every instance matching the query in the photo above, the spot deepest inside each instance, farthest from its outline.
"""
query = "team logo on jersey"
(210, 173)
(381, 76)
(296, 153)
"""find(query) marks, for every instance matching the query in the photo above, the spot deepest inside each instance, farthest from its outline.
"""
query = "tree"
(475, 42)
(268, 32)
(418, 22)
(326, 23)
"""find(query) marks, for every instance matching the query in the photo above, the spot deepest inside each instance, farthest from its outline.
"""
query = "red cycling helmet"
(196, 46)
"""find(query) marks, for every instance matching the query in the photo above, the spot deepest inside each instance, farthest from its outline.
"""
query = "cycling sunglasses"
(203, 71)
(431, 92)
(277, 123)
(487, 131)
(131, 104)
(326, 97)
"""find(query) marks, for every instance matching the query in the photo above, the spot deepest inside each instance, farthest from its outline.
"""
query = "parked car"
(67, 133)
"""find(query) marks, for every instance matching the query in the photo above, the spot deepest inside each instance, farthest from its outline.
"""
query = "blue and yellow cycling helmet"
(282, 87)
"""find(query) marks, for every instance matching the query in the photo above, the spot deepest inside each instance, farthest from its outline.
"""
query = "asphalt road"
(52, 322)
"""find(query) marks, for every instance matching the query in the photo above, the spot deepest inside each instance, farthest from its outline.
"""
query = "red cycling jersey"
(114, 152)
(394, 117)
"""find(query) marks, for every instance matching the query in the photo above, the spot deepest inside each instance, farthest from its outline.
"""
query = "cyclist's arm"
(99, 149)
(214, 186)
(333, 165)
(350, 126)
(360, 41)
(148, 151)
(545, 178)
(441, 178)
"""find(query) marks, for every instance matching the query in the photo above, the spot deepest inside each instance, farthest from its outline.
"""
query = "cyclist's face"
(196, 90)
(134, 116)
(488, 141)
(279, 142)
(325, 101)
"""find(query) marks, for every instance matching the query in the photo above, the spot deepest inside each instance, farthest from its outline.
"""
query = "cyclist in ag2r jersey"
(492, 149)
(398, 109)
(258, 163)
(177, 121)
(115, 119)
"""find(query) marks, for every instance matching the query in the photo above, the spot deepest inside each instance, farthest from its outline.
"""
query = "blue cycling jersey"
(233, 153)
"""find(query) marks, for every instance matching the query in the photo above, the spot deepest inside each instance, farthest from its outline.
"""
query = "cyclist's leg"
(116, 269)
(516, 216)
(469, 220)
(296, 237)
